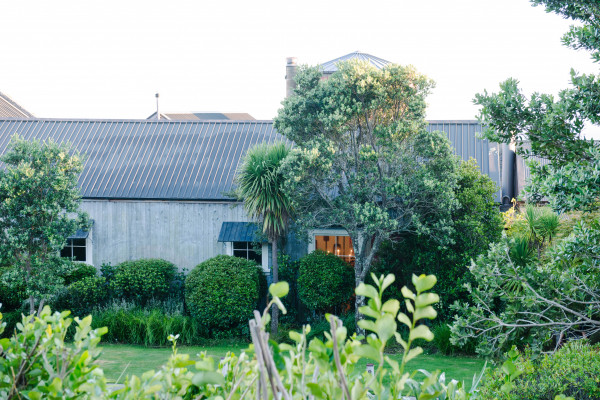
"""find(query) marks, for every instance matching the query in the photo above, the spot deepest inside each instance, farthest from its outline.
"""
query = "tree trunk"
(274, 310)
(359, 301)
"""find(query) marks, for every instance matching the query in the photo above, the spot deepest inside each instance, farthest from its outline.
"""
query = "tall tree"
(515, 298)
(363, 159)
(39, 209)
(260, 185)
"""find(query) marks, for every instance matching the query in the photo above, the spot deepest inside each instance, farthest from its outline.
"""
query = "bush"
(325, 281)
(142, 280)
(12, 291)
(221, 293)
(78, 271)
(573, 371)
(82, 296)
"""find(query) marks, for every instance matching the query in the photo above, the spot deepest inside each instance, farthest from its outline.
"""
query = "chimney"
(290, 73)
(157, 109)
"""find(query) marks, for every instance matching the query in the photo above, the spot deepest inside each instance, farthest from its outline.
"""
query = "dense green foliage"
(142, 280)
(363, 159)
(148, 326)
(573, 371)
(325, 281)
(82, 296)
(78, 271)
(39, 209)
(476, 222)
(221, 293)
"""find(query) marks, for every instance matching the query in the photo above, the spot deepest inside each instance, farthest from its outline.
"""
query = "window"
(341, 246)
(75, 250)
(247, 251)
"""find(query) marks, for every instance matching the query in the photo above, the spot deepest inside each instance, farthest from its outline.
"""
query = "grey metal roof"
(330, 67)
(239, 232)
(142, 159)
(188, 160)
(10, 109)
(203, 116)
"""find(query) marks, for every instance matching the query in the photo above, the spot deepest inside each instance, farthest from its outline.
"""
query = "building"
(158, 188)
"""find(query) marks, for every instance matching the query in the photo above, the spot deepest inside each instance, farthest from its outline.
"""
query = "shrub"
(142, 280)
(221, 293)
(12, 291)
(325, 281)
(78, 271)
(82, 296)
(573, 371)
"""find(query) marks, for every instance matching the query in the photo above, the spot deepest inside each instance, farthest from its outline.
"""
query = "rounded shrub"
(83, 295)
(573, 371)
(325, 281)
(142, 280)
(221, 293)
(78, 271)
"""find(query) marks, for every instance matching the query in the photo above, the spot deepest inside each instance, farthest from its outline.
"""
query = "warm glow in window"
(341, 246)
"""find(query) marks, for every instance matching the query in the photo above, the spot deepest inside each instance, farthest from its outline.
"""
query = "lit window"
(247, 251)
(75, 250)
(341, 246)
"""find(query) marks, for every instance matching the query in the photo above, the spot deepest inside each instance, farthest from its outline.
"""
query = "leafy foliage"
(82, 296)
(476, 222)
(222, 292)
(78, 271)
(142, 280)
(39, 209)
(325, 281)
(363, 159)
(36, 362)
(572, 371)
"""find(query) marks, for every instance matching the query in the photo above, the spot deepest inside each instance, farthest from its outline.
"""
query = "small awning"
(240, 232)
(81, 233)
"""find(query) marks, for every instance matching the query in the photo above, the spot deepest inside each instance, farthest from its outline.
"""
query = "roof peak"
(330, 67)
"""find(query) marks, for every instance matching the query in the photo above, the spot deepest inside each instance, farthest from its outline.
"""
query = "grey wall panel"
(184, 233)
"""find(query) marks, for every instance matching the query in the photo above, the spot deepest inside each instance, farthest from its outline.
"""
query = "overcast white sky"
(106, 59)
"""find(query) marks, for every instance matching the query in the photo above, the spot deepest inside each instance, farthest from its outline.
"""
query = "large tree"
(514, 298)
(39, 209)
(363, 159)
(260, 186)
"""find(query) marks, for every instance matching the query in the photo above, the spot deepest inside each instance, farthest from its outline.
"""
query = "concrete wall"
(184, 233)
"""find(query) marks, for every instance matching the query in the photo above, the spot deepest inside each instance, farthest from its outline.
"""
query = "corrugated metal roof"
(188, 160)
(239, 232)
(10, 109)
(142, 159)
(204, 116)
(330, 67)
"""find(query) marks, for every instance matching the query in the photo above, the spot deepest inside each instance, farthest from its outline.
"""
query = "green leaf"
(391, 306)
(424, 282)
(367, 291)
(385, 327)
(413, 353)
(421, 332)
(367, 351)
(387, 281)
(426, 312)
(426, 299)
(295, 336)
(208, 378)
(367, 325)
(405, 320)
(279, 289)
(407, 293)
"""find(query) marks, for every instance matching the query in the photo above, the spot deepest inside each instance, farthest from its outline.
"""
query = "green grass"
(122, 360)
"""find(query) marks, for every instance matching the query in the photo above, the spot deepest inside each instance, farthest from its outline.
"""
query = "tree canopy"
(363, 159)
(39, 209)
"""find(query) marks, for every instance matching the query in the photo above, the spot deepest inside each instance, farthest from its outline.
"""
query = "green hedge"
(573, 370)
(143, 280)
(325, 281)
(12, 292)
(78, 271)
(83, 296)
(221, 293)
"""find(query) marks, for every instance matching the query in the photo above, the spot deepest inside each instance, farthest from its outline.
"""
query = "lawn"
(118, 361)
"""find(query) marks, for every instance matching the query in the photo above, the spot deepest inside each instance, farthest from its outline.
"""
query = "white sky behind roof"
(82, 59)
